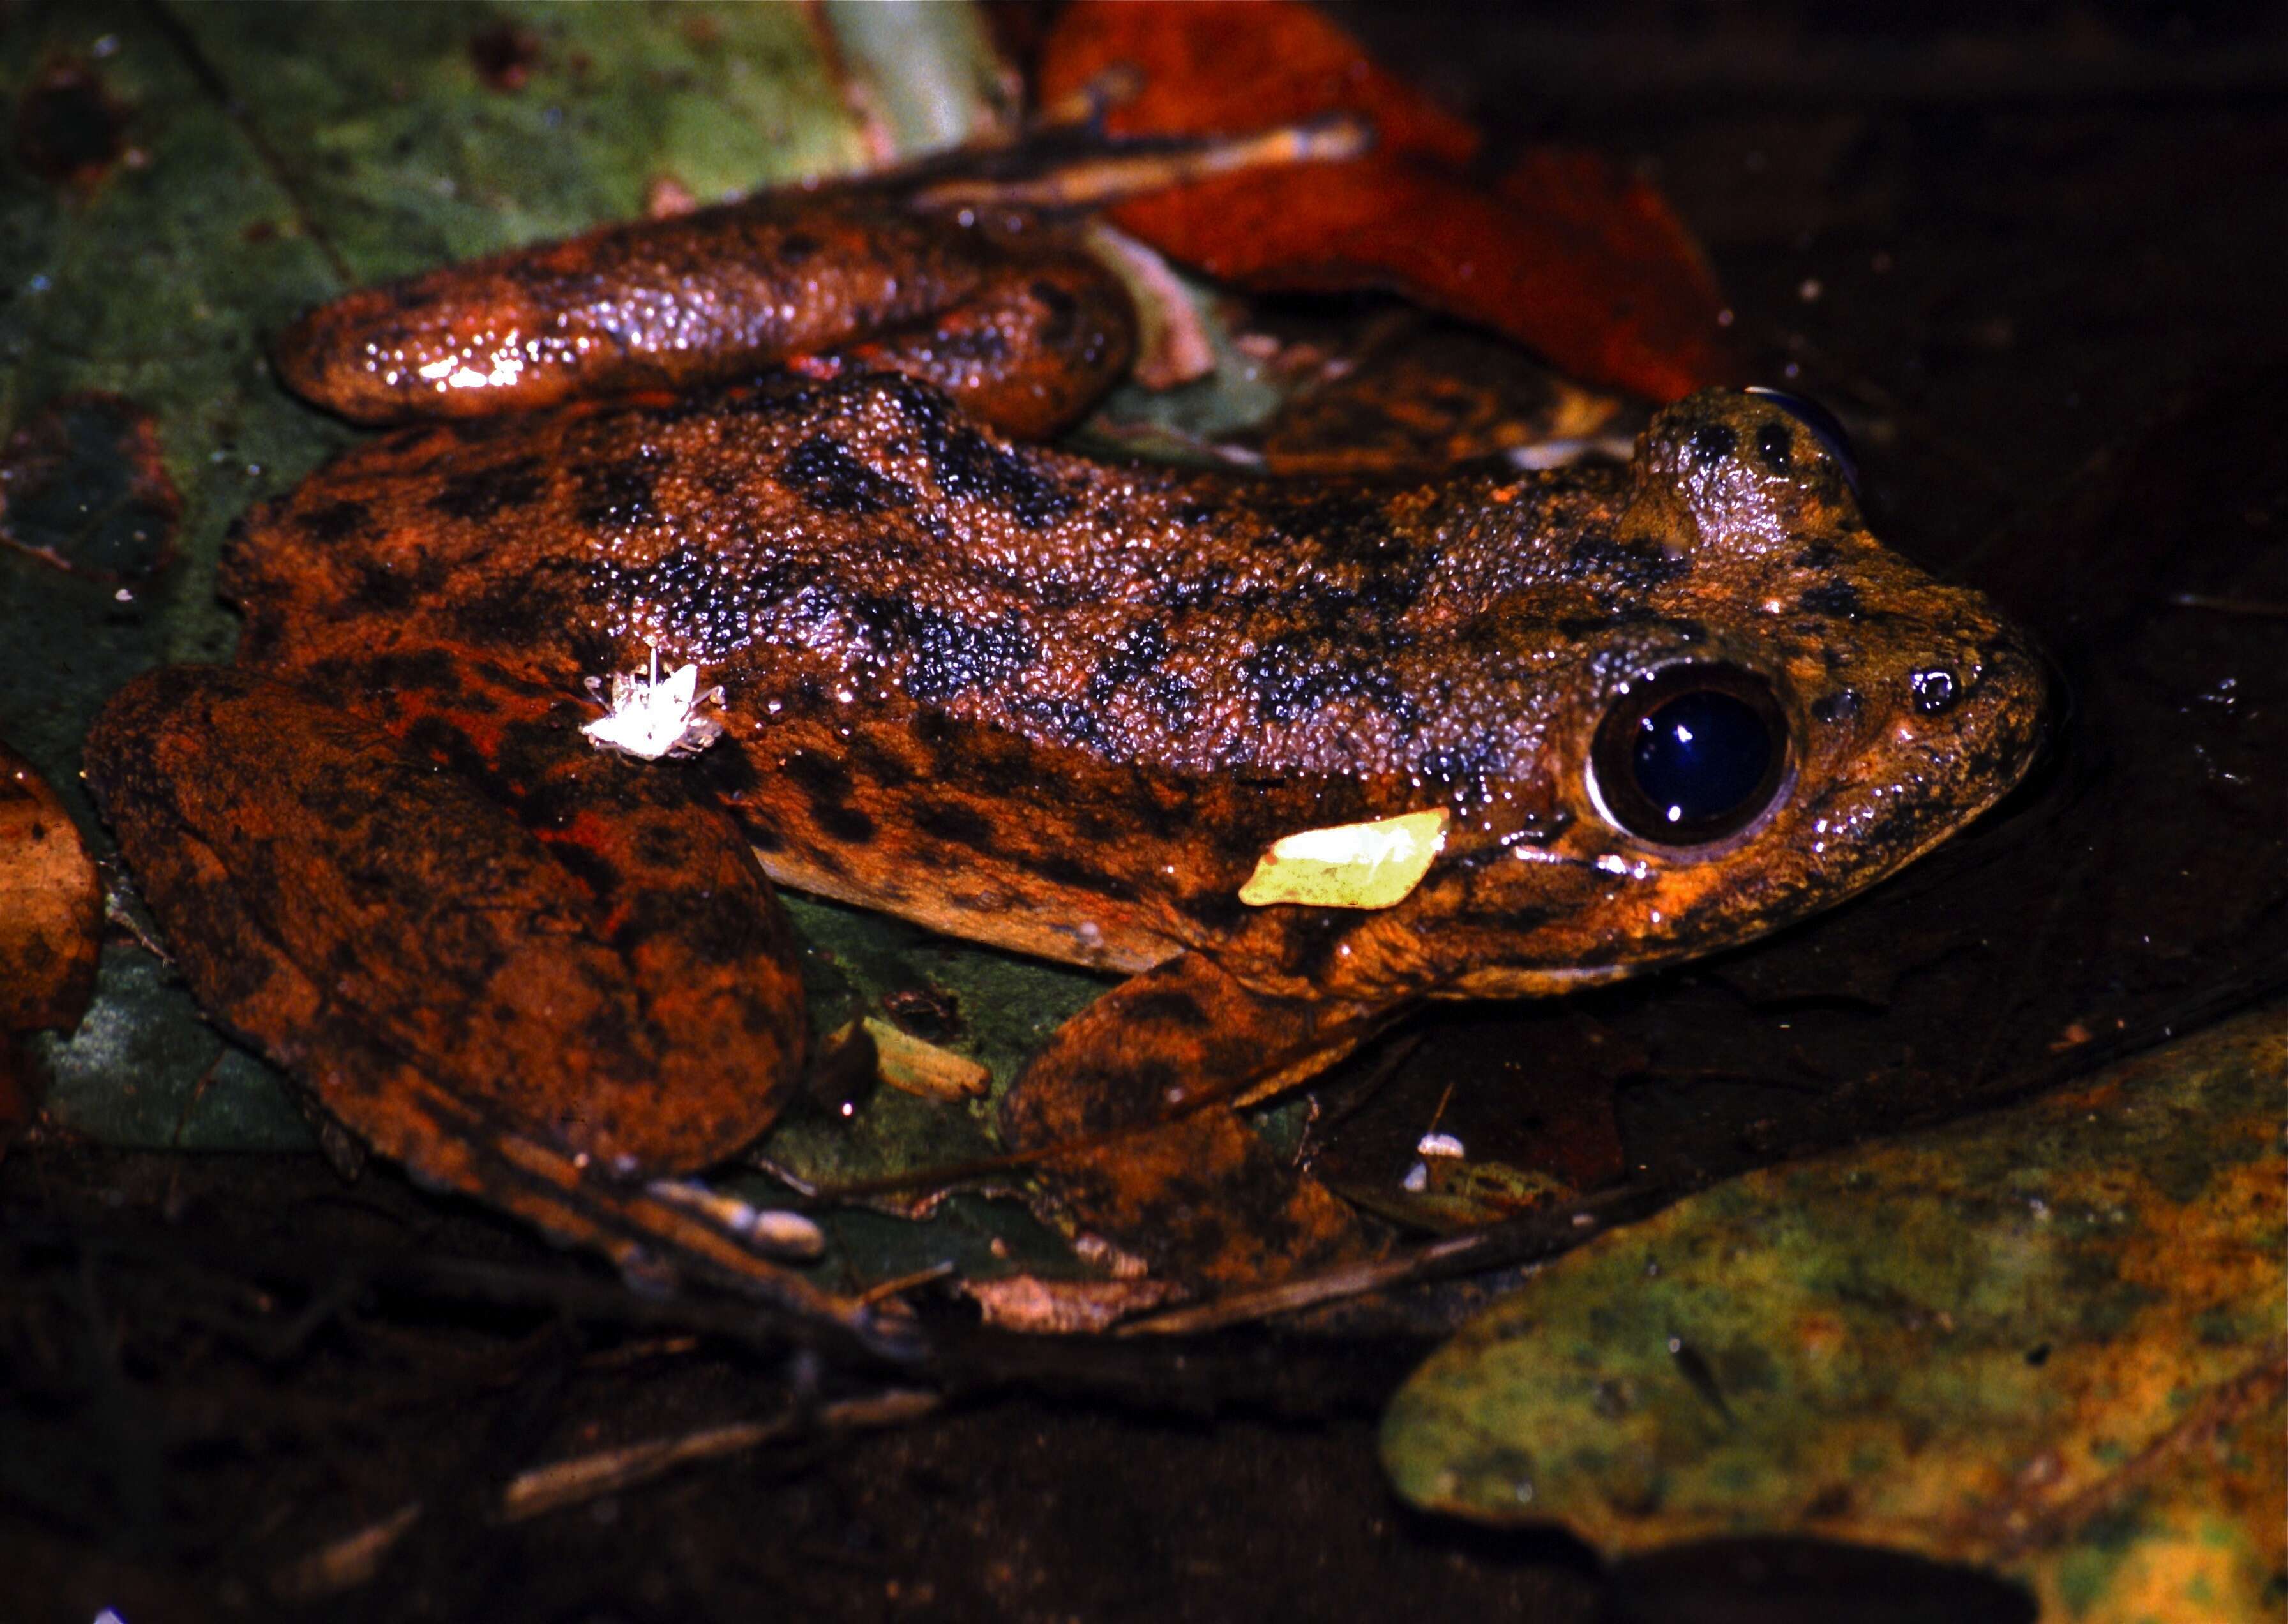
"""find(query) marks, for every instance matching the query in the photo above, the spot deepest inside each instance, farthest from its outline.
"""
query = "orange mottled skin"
(1009, 693)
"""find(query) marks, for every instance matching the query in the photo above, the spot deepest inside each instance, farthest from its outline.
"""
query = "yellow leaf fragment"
(1350, 865)
(909, 1064)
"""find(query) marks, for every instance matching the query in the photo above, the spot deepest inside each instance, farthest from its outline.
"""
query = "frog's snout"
(1986, 711)
(2023, 694)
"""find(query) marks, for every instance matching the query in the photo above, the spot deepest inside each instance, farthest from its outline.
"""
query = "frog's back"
(1065, 707)
(971, 679)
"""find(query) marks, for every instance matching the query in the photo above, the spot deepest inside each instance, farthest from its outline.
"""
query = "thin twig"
(356, 1557)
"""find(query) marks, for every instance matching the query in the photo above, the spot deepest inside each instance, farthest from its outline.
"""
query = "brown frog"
(1006, 692)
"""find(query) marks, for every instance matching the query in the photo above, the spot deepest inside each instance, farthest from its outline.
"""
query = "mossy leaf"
(2052, 1341)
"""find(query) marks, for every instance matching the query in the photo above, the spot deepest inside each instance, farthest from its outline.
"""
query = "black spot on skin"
(597, 872)
(481, 493)
(968, 467)
(1133, 664)
(1295, 675)
(507, 612)
(1062, 718)
(1473, 762)
(1110, 1092)
(1063, 868)
(808, 697)
(338, 521)
(1712, 443)
(1161, 810)
(873, 763)
(944, 654)
(957, 825)
(846, 824)
(1836, 707)
(919, 405)
(719, 928)
(1818, 555)
(974, 467)
(615, 494)
(663, 844)
(1191, 592)
(1095, 826)
(381, 590)
(1168, 1007)
(797, 247)
(991, 765)
(762, 837)
(1220, 913)
(1839, 600)
(823, 778)
(726, 772)
(984, 344)
(823, 472)
(421, 670)
(1344, 526)
(1776, 446)
(1632, 566)
(1311, 937)
(1505, 923)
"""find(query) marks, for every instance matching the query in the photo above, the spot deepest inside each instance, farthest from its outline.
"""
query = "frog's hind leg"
(544, 1006)
(1024, 337)
(1141, 1087)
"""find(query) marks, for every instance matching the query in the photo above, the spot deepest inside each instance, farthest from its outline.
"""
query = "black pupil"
(1699, 756)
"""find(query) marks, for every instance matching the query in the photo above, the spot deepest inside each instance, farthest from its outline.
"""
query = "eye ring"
(1824, 425)
(1690, 754)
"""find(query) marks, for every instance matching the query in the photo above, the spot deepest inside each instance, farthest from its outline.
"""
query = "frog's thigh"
(361, 916)
(1188, 1186)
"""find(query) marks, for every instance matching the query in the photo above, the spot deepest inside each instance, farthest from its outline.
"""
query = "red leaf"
(1570, 258)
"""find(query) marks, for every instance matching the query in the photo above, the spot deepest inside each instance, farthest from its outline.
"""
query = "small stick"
(356, 1558)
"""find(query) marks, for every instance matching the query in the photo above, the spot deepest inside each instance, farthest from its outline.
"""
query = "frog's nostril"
(1935, 689)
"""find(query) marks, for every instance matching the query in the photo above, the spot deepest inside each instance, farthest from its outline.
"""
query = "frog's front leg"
(531, 973)
(1139, 1090)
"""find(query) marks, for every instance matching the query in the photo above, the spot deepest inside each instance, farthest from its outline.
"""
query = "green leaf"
(2052, 1341)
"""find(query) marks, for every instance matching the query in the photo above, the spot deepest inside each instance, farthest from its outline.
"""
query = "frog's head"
(1774, 713)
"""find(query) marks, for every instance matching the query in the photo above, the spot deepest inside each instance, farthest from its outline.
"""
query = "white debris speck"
(654, 718)
(1438, 1144)
(1417, 1179)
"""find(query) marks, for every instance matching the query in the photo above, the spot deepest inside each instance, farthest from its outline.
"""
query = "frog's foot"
(540, 979)
(1142, 1088)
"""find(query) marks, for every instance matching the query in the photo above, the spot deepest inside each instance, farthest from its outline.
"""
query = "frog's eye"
(1824, 425)
(1690, 754)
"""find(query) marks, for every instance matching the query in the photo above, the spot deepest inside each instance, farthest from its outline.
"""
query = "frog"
(797, 451)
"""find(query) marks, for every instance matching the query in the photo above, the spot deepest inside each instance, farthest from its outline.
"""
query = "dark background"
(2034, 254)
